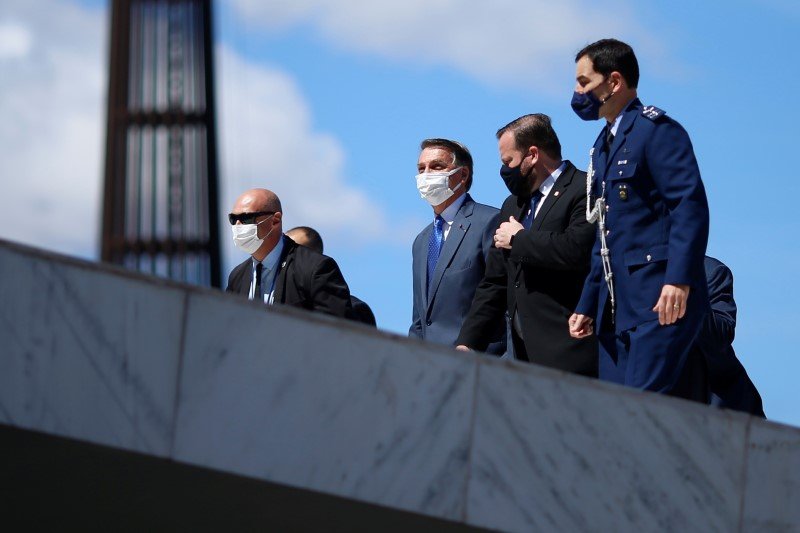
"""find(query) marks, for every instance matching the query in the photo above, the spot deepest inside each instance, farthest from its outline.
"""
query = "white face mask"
(434, 186)
(245, 237)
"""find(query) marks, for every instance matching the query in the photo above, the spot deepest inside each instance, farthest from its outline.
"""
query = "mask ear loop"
(460, 183)
(607, 98)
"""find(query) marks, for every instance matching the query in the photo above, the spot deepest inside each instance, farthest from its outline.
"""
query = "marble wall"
(94, 353)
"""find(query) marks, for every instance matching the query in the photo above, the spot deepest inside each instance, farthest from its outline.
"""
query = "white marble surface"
(324, 406)
(202, 377)
(772, 496)
(88, 354)
(553, 452)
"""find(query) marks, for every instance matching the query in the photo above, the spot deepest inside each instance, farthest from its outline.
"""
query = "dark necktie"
(528, 219)
(257, 290)
(609, 139)
(435, 246)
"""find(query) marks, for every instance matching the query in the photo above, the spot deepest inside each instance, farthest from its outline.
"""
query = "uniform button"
(516, 284)
(649, 257)
(428, 323)
(608, 232)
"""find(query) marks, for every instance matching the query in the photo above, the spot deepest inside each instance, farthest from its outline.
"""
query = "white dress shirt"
(449, 214)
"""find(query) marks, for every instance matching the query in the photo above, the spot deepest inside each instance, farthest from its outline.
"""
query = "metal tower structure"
(160, 205)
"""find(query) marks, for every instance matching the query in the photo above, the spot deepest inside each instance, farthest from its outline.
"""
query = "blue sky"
(325, 103)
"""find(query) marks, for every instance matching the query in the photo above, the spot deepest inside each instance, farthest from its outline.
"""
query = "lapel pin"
(556, 193)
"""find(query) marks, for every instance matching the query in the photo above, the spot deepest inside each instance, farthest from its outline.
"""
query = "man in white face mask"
(449, 255)
(279, 271)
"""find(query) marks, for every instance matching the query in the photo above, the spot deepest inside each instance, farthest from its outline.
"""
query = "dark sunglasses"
(247, 218)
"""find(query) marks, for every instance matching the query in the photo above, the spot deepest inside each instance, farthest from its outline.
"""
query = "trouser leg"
(658, 357)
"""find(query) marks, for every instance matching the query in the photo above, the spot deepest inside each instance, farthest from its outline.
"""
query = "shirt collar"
(272, 258)
(615, 125)
(550, 181)
(449, 214)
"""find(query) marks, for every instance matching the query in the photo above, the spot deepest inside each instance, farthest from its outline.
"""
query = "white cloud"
(15, 41)
(269, 140)
(52, 132)
(503, 41)
(51, 103)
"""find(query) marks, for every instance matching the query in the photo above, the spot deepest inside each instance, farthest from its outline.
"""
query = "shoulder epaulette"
(652, 112)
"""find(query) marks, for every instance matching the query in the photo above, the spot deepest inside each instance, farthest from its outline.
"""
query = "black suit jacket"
(306, 279)
(541, 278)
(362, 312)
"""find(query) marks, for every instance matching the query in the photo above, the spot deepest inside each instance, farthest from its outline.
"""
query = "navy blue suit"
(730, 385)
(439, 312)
(657, 222)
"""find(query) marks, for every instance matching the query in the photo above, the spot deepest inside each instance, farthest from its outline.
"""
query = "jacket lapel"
(287, 257)
(625, 126)
(553, 196)
(522, 206)
(246, 278)
(421, 265)
(457, 232)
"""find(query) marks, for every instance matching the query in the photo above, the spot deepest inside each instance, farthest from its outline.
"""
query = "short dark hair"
(461, 156)
(312, 236)
(534, 130)
(608, 55)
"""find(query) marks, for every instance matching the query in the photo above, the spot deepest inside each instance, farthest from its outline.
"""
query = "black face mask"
(517, 184)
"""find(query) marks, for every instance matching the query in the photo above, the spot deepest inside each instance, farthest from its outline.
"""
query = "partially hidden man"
(280, 271)
(310, 238)
(541, 253)
(449, 255)
(646, 295)
(730, 386)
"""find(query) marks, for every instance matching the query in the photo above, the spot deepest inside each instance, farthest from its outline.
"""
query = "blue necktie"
(435, 246)
(528, 219)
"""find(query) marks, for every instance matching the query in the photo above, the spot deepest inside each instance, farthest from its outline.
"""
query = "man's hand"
(502, 237)
(671, 305)
(463, 348)
(580, 326)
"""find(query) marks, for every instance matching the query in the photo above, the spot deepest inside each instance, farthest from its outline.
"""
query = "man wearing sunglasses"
(279, 271)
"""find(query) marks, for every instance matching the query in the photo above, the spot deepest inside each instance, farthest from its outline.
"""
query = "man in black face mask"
(541, 252)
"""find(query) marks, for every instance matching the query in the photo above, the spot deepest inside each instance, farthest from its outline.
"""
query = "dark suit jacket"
(541, 278)
(362, 312)
(306, 279)
(730, 385)
(438, 313)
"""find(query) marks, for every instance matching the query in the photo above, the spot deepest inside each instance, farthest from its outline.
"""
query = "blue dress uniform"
(656, 223)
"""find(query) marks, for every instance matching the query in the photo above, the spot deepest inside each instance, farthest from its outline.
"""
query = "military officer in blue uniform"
(646, 294)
